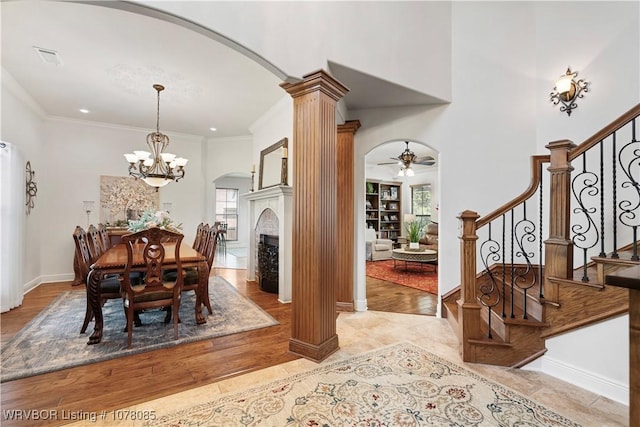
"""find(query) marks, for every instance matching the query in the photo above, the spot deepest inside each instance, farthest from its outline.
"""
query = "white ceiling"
(111, 58)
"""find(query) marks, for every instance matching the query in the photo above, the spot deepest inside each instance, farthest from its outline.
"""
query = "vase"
(414, 245)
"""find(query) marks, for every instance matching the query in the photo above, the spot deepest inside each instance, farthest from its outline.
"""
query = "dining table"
(114, 260)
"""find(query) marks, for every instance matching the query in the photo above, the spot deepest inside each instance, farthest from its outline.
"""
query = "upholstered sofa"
(430, 238)
(377, 249)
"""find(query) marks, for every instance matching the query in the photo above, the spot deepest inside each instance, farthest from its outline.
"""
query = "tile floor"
(364, 331)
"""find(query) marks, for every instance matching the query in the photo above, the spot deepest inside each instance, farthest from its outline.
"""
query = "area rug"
(400, 385)
(413, 275)
(52, 340)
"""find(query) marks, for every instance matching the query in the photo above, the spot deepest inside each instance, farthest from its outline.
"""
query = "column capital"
(350, 126)
(317, 81)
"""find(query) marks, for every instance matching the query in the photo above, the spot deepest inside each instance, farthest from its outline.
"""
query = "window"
(227, 210)
(421, 201)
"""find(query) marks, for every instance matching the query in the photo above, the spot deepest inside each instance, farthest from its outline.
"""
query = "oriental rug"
(401, 385)
(52, 340)
(413, 275)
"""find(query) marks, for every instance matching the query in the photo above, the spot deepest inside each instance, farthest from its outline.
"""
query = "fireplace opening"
(267, 276)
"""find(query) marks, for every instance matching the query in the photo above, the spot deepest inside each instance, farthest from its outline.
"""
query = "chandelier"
(156, 168)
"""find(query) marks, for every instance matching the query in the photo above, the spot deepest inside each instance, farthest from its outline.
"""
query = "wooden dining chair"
(203, 241)
(198, 239)
(191, 275)
(95, 243)
(104, 237)
(154, 291)
(109, 286)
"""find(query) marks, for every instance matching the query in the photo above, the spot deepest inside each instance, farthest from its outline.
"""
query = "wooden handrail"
(605, 132)
(536, 161)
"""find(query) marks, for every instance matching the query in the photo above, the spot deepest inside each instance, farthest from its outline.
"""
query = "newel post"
(559, 247)
(468, 307)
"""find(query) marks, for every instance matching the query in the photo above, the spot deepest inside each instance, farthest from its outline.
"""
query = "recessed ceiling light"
(212, 129)
(84, 111)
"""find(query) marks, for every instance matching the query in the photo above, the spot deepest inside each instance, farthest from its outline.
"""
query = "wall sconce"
(31, 188)
(567, 91)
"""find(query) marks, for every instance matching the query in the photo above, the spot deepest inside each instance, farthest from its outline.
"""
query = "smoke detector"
(49, 56)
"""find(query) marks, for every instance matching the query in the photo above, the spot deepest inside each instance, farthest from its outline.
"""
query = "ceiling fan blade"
(388, 163)
(425, 160)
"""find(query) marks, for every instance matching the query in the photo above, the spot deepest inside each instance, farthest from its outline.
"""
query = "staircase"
(583, 202)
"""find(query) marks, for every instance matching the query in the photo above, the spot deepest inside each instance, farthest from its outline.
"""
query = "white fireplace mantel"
(279, 200)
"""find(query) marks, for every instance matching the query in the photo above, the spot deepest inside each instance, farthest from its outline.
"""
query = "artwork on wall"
(125, 198)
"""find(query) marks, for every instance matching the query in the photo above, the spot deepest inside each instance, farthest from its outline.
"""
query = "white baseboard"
(360, 305)
(50, 278)
(606, 387)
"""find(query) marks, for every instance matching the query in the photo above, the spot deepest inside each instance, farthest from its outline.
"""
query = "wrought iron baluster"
(540, 268)
(513, 275)
(602, 251)
(489, 297)
(525, 232)
(504, 268)
(630, 215)
(582, 233)
(614, 183)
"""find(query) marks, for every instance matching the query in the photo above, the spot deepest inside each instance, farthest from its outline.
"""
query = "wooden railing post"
(559, 247)
(468, 306)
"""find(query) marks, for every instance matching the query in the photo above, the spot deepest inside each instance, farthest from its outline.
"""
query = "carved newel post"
(313, 329)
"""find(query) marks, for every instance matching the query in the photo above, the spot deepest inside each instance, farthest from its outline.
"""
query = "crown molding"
(10, 83)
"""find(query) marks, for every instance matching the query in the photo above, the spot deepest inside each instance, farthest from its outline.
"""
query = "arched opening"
(401, 186)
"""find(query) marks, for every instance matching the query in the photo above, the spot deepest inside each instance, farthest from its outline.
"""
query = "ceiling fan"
(408, 157)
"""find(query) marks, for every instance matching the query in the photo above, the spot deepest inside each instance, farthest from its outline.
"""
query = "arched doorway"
(401, 185)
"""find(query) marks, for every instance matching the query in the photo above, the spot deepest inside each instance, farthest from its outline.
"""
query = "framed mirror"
(272, 171)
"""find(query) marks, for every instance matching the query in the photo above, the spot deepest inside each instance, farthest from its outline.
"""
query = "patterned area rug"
(413, 275)
(52, 340)
(401, 385)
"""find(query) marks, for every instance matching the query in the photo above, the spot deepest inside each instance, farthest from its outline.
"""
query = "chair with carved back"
(154, 291)
(95, 243)
(104, 237)
(109, 286)
(203, 241)
(198, 239)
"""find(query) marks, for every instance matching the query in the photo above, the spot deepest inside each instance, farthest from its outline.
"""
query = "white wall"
(404, 42)
(22, 123)
(75, 155)
(607, 56)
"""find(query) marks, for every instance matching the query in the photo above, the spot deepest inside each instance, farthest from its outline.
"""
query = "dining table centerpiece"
(151, 218)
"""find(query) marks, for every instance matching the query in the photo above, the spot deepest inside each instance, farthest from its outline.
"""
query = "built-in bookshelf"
(383, 208)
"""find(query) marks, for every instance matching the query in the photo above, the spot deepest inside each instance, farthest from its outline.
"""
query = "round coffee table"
(424, 257)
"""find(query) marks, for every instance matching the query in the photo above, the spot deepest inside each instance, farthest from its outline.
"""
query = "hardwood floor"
(387, 296)
(127, 381)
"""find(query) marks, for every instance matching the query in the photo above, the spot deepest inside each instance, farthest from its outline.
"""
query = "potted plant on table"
(415, 229)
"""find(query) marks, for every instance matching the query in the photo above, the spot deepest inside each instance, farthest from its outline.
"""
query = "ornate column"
(313, 329)
(559, 247)
(345, 227)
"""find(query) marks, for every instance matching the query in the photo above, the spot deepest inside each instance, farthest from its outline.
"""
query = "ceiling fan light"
(400, 172)
(408, 172)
